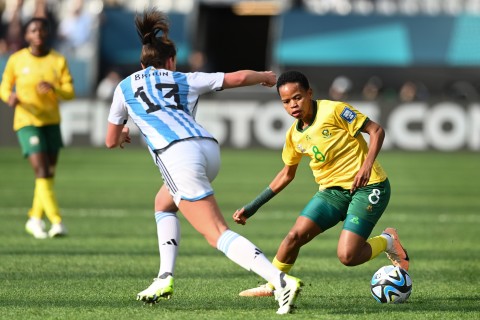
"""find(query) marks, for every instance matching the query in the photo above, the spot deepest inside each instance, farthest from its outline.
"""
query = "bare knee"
(292, 239)
(347, 258)
(352, 249)
(41, 166)
(41, 172)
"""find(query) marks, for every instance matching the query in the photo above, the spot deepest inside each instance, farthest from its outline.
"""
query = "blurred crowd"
(74, 20)
(389, 7)
(70, 22)
(75, 24)
(343, 88)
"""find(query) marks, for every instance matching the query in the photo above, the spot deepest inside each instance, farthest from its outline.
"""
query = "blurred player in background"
(353, 186)
(162, 103)
(34, 80)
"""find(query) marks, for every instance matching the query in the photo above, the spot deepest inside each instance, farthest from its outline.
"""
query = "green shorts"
(46, 139)
(360, 211)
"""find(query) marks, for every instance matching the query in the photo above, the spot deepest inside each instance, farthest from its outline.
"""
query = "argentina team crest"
(348, 115)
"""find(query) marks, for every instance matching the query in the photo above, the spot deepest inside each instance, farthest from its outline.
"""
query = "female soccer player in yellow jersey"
(353, 186)
(34, 80)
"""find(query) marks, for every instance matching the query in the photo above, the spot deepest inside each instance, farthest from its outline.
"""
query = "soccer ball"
(391, 284)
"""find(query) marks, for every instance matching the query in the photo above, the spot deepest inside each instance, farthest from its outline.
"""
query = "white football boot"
(160, 288)
(36, 227)
(287, 294)
(57, 230)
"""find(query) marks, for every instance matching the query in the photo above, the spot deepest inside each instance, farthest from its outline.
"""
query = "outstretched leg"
(205, 216)
(302, 232)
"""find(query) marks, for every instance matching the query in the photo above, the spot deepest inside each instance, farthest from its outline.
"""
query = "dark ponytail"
(157, 48)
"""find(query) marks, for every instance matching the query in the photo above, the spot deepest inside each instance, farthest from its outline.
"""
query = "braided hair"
(152, 28)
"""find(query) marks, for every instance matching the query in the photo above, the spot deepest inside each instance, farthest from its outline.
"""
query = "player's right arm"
(281, 180)
(117, 132)
(248, 78)
(117, 135)
(6, 86)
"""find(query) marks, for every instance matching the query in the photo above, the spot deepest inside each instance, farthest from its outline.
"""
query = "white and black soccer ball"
(391, 284)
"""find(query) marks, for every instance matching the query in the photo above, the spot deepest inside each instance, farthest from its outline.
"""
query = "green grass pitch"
(111, 253)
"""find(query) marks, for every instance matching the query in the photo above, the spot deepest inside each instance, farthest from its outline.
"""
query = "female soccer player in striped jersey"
(162, 103)
(353, 186)
(34, 80)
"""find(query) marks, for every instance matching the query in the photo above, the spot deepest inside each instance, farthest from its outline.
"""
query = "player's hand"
(13, 100)
(361, 179)
(44, 87)
(124, 137)
(239, 218)
(271, 79)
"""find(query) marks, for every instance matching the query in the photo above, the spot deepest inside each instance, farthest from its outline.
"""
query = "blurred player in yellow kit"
(353, 187)
(34, 80)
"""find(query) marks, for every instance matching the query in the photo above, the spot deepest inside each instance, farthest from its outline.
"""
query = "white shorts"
(188, 167)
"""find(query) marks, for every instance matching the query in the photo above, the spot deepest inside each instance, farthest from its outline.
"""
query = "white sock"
(389, 240)
(244, 253)
(168, 233)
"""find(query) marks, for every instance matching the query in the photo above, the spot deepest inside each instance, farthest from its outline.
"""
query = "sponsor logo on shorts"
(354, 220)
(34, 140)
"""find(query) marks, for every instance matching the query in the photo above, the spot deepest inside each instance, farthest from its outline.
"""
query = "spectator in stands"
(198, 62)
(107, 86)
(372, 88)
(340, 88)
(75, 30)
(462, 91)
(14, 16)
(413, 91)
(12, 39)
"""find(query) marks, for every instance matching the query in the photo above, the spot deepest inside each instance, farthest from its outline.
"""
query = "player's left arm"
(377, 134)
(64, 88)
(117, 132)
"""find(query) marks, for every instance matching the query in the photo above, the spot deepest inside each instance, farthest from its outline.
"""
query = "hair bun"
(147, 38)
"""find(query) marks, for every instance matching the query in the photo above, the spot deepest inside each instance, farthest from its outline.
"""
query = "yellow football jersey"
(23, 72)
(334, 144)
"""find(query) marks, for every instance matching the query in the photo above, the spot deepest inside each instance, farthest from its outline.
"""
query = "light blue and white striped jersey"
(162, 103)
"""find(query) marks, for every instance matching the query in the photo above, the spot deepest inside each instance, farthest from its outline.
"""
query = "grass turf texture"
(111, 253)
